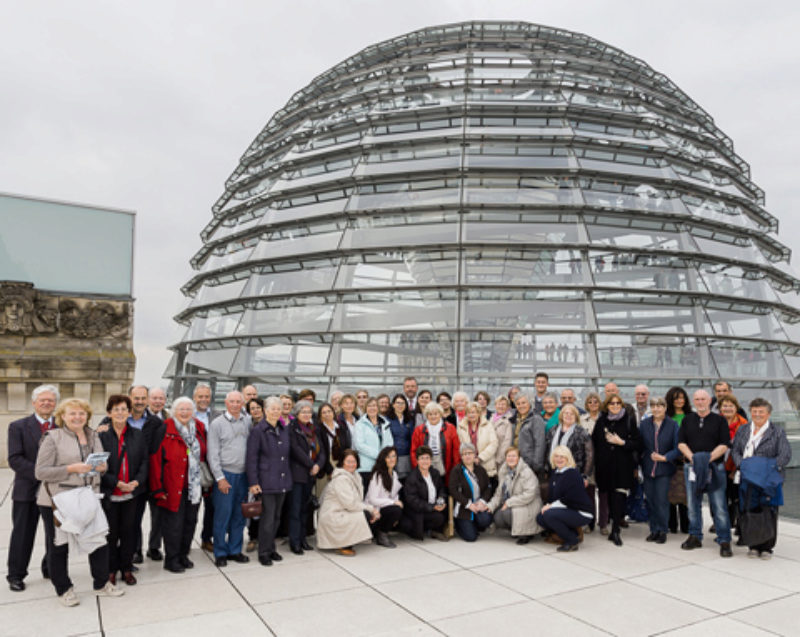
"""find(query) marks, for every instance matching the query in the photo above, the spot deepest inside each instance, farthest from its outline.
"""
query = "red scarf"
(124, 470)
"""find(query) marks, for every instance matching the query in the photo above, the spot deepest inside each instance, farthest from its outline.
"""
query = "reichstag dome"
(473, 202)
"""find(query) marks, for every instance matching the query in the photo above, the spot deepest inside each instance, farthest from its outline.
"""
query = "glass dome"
(474, 202)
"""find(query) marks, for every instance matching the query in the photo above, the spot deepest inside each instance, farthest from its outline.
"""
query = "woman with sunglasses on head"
(616, 440)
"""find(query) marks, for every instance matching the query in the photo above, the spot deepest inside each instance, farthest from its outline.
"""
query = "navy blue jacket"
(567, 487)
(24, 436)
(401, 433)
(268, 451)
(667, 446)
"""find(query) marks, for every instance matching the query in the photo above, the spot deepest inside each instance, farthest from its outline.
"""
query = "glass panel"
(527, 196)
(308, 318)
(526, 352)
(651, 355)
(516, 227)
(643, 271)
(297, 246)
(408, 270)
(215, 325)
(524, 314)
(208, 294)
(732, 280)
(548, 267)
(646, 198)
(404, 199)
(638, 238)
(727, 323)
(649, 317)
(745, 253)
(400, 236)
(217, 360)
(290, 282)
(282, 358)
(417, 311)
(215, 261)
(398, 353)
(738, 359)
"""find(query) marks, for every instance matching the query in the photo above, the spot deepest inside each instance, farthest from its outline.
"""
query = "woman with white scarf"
(175, 478)
(763, 439)
(571, 434)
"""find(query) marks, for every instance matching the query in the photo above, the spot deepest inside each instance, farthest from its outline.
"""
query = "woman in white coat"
(474, 428)
(343, 514)
(517, 501)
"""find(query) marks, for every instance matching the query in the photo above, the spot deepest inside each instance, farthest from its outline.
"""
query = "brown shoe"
(207, 546)
(347, 552)
(580, 534)
(128, 578)
(553, 539)
(112, 577)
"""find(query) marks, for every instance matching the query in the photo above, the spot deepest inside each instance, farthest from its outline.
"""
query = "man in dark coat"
(24, 436)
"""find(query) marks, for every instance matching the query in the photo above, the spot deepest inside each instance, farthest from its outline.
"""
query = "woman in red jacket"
(441, 436)
(729, 408)
(175, 482)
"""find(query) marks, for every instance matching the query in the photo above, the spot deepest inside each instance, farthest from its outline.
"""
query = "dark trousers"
(468, 530)
(656, 491)
(154, 539)
(121, 534)
(141, 505)
(616, 506)
(178, 529)
(563, 522)
(252, 529)
(25, 519)
(298, 512)
(678, 513)
(57, 558)
(207, 533)
(365, 477)
(271, 504)
(390, 518)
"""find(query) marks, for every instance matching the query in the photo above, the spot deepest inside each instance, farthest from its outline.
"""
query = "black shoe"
(155, 555)
(134, 569)
(306, 546)
(382, 539)
(174, 568)
(45, 571)
(624, 524)
(567, 548)
(186, 562)
(652, 537)
(137, 557)
(265, 561)
(16, 584)
(615, 538)
(524, 539)
(725, 549)
(239, 557)
(220, 562)
(662, 538)
(740, 542)
(296, 550)
(276, 556)
(692, 542)
(712, 529)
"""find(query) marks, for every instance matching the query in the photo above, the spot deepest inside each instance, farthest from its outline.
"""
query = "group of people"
(358, 467)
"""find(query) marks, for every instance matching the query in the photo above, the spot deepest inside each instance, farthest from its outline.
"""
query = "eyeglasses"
(615, 402)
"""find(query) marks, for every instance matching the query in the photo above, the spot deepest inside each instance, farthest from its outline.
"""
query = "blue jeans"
(717, 500)
(468, 529)
(228, 519)
(655, 493)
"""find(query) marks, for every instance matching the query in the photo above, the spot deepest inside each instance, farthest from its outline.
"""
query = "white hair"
(460, 394)
(180, 400)
(42, 389)
(272, 400)
(432, 406)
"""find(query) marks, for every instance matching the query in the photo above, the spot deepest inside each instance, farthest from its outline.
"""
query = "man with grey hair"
(703, 439)
(24, 436)
(205, 414)
(249, 392)
(156, 402)
(641, 394)
(227, 459)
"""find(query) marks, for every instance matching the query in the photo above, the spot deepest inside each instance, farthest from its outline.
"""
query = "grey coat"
(525, 500)
(774, 444)
(532, 445)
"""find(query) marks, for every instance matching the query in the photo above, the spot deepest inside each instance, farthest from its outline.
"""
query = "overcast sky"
(148, 105)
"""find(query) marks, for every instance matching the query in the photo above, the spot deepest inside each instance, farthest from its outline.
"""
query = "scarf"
(754, 440)
(619, 416)
(313, 442)
(473, 434)
(553, 420)
(508, 481)
(189, 435)
(433, 437)
(561, 438)
(472, 481)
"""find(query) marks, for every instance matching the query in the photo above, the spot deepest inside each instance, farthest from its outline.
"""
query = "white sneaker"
(752, 553)
(109, 590)
(69, 598)
(765, 555)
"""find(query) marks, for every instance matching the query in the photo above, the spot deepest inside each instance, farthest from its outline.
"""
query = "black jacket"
(461, 492)
(340, 443)
(614, 465)
(138, 459)
(567, 487)
(300, 454)
(415, 499)
(24, 436)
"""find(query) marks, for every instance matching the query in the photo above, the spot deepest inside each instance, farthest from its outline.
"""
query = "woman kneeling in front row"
(569, 507)
(517, 502)
(424, 497)
(471, 492)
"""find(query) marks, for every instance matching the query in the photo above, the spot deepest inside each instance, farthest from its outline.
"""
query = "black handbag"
(758, 525)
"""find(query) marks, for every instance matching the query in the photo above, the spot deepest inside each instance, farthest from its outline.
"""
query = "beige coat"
(58, 449)
(341, 515)
(524, 501)
(505, 436)
(487, 443)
